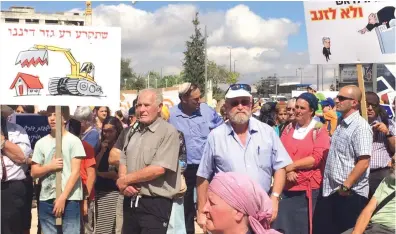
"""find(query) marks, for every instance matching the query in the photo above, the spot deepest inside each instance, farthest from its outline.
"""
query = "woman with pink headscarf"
(237, 204)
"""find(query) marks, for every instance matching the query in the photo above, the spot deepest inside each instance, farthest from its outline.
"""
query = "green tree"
(194, 57)
(127, 73)
(232, 77)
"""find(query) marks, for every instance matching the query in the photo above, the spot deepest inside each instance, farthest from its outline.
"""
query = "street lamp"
(125, 80)
(234, 65)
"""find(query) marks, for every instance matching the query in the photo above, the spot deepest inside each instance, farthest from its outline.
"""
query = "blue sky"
(291, 10)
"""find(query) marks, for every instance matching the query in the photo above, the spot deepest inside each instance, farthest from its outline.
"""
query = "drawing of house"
(26, 85)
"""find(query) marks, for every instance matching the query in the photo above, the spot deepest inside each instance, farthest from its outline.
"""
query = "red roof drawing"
(31, 81)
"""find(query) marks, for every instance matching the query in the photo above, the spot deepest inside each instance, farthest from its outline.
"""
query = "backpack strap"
(384, 202)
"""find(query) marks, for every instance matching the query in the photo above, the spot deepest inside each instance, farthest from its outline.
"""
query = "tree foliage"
(194, 57)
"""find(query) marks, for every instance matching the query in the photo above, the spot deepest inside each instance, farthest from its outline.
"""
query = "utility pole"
(230, 57)
(276, 85)
(317, 76)
(322, 77)
(234, 65)
(148, 80)
(301, 74)
(156, 82)
(166, 83)
(125, 80)
(209, 81)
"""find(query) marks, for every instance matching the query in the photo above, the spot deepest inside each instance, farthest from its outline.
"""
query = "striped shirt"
(352, 138)
(381, 156)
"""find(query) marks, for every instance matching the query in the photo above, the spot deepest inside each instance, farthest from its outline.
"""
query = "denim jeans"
(70, 219)
(177, 223)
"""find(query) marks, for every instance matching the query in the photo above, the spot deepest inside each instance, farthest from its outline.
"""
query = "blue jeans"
(176, 222)
(70, 219)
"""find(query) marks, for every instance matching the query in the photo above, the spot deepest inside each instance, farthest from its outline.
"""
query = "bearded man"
(244, 145)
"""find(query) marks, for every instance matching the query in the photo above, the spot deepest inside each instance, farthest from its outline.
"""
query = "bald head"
(352, 91)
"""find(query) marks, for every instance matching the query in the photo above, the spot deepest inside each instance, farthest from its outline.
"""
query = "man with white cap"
(312, 89)
(195, 120)
(15, 150)
(244, 145)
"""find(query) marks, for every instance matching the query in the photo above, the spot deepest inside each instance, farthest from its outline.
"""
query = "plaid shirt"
(352, 138)
(381, 156)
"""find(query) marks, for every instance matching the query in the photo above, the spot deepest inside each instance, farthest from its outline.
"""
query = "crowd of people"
(310, 165)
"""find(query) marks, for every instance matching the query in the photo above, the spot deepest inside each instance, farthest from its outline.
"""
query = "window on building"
(11, 20)
(32, 21)
(51, 21)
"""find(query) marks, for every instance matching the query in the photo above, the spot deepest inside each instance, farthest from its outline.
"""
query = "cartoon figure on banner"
(384, 23)
(326, 48)
(80, 82)
(167, 102)
(26, 85)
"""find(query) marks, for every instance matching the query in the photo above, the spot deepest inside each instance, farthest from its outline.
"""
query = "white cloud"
(155, 40)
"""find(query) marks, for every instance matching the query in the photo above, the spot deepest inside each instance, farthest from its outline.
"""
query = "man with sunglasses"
(345, 180)
(195, 120)
(384, 141)
(245, 145)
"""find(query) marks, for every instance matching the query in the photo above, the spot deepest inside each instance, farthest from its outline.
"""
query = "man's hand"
(85, 207)
(201, 220)
(131, 191)
(275, 207)
(291, 176)
(56, 164)
(121, 184)
(381, 127)
(363, 31)
(59, 207)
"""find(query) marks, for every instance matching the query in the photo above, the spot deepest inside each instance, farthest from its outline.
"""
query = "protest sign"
(36, 126)
(341, 32)
(59, 65)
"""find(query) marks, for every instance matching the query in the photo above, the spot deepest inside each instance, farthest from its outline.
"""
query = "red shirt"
(299, 149)
(87, 162)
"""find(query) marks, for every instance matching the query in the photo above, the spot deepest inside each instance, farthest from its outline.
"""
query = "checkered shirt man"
(352, 138)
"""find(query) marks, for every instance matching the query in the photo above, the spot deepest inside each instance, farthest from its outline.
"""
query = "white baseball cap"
(238, 90)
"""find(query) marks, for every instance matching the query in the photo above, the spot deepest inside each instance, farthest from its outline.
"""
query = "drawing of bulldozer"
(81, 80)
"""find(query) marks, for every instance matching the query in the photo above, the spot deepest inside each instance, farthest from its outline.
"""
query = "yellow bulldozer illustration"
(80, 82)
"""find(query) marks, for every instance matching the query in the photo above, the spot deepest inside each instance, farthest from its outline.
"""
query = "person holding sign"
(45, 166)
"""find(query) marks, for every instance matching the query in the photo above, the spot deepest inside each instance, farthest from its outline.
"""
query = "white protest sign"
(59, 65)
(341, 32)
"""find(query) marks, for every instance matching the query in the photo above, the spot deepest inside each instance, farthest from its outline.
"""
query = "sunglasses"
(343, 98)
(371, 104)
(240, 86)
(244, 102)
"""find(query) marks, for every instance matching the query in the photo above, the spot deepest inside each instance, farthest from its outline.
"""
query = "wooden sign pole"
(58, 154)
(363, 106)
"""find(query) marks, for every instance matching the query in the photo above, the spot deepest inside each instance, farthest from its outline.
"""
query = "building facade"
(27, 15)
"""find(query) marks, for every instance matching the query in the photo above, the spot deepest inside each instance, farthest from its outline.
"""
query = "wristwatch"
(345, 189)
(389, 135)
(276, 195)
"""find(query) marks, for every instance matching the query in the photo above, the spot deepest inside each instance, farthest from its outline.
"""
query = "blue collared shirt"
(195, 128)
(263, 154)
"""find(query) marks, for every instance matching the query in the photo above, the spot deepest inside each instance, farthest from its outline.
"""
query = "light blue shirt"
(263, 154)
(195, 128)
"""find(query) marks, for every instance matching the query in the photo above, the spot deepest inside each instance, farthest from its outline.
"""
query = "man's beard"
(240, 117)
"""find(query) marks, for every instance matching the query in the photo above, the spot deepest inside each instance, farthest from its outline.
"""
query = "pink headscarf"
(246, 196)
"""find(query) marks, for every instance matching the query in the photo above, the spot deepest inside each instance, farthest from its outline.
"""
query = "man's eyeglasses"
(343, 98)
(240, 86)
(244, 102)
(371, 104)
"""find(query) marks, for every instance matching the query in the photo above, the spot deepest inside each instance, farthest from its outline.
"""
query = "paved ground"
(33, 230)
